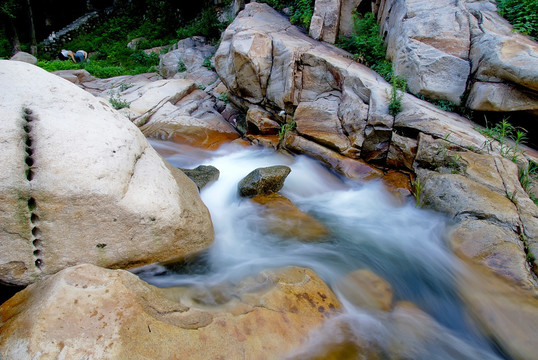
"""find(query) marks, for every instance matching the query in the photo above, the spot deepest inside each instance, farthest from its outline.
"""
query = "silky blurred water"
(369, 228)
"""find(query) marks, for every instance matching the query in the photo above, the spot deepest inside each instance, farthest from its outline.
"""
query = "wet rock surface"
(263, 181)
(87, 311)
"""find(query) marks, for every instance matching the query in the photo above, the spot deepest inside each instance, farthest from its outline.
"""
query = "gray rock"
(202, 175)
(263, 181)
(24, 57)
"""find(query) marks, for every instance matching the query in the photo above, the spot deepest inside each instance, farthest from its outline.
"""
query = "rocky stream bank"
(84, 196)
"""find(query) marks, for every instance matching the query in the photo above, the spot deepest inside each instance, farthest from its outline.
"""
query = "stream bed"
(369, 229)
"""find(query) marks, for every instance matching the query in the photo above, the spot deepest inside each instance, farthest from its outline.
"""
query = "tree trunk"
(13, 37)
(33, 46)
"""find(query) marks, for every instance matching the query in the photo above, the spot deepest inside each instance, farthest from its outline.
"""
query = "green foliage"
(286, 128)
(508, 137)
(9, 8)
(207, 63)
(529, 179)
(366, 44)
(416, 189)
(5, 46)
(522, 14)
(181, 67)
(117, 102)
(207, 24)
(98, 68)
(301, 13)
(398, 88)
(276, 4)
(125, 86)
(110, 55)
(55, 65)
(224, 97)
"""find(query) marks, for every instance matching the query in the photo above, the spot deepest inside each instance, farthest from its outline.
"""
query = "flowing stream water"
(369, 229)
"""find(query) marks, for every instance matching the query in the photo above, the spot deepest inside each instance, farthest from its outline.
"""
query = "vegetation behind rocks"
(522, 14)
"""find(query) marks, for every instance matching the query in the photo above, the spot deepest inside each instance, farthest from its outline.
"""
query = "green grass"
(528, 179)
(286, 128)
(98, 68)
(502, 133)
(416, 190)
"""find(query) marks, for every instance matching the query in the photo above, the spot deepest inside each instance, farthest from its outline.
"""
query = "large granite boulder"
(428, 43)
(503, 310)
(93, 313)
(495, 221)
(79, 183)
(445, 49)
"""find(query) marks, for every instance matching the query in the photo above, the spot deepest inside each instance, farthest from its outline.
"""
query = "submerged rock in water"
(89, 312)
(79, 183)
(365, 289)
(282, 218)
(263, 181)
(508, 313)
(202, 175)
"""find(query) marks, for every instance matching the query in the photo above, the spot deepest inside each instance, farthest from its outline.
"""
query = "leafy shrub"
(207, 63)
(207, 24)
(301, 13)
(366, 44)
(181, 67)
(502, 133)
(522, 14)
(275, 4)
(118, 103)
(398, 88)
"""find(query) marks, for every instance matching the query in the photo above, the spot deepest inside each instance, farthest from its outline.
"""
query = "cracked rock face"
(79, 183)
(111, 314)
(445, 48)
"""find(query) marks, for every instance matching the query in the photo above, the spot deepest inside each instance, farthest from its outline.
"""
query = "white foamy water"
(368, 229)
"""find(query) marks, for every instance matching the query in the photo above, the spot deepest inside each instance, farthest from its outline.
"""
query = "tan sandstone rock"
(506, 312)
(365, 289)
(93, 313)
(193, 120)
(325, 20)
(80, 184)
(428, 43)
(282, 218)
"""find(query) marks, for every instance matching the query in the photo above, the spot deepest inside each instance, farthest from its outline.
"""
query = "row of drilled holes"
(34, 218)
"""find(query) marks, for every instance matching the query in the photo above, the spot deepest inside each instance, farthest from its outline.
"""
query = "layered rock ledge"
(337, 111)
